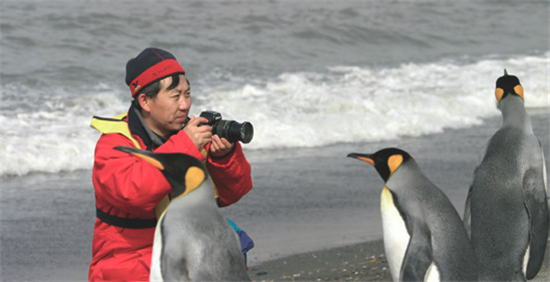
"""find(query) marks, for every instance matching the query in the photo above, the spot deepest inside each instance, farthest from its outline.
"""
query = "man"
(130, 193)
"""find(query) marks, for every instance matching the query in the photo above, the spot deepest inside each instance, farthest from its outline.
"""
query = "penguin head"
(508, 85)
(386, 161)
(184, 173)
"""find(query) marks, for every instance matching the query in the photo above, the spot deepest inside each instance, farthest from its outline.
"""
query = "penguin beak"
(142, 155)
(362, 157)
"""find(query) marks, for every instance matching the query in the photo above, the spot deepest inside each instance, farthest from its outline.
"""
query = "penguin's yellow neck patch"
(519, 90)
(150, 160)
(194, 177)
(499, 92)
(394, 162)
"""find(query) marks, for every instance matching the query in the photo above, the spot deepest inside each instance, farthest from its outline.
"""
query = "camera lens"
(234, 131)
(246, 132)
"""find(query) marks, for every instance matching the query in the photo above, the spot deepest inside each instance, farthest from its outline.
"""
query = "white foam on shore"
(354, 104)
(301, 109)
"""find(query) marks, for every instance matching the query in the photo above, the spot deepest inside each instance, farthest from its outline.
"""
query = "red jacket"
(128, 187)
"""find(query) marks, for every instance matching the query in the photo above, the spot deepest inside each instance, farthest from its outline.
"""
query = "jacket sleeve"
(231, 174)
(129, 183)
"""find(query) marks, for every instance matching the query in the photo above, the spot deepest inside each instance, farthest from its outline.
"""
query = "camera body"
(229, 129)
(212, 117)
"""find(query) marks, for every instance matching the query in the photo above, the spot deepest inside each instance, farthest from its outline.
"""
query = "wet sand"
(359, 262)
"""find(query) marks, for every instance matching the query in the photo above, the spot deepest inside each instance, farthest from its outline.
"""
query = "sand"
(359, 262)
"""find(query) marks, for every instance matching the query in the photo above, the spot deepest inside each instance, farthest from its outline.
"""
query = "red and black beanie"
(151, 65)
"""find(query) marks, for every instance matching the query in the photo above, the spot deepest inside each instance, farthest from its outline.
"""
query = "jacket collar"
(138, 127)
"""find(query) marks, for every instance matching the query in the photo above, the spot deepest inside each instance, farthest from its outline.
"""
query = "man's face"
(169, 110)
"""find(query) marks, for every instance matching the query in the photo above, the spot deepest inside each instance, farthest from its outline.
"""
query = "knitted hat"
(151, 65)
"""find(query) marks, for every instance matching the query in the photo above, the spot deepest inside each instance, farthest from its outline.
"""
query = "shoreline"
(358, 262)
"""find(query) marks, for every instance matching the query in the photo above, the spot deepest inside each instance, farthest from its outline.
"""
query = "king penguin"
(193, 241)
(424, 237)
(507, 199)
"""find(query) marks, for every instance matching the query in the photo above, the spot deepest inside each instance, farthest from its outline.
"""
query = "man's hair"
(153, 89)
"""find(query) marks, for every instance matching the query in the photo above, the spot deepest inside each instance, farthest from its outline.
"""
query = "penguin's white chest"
(396, 237)
(155, 272)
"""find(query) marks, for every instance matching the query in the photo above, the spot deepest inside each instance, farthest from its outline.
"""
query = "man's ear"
(144, 102)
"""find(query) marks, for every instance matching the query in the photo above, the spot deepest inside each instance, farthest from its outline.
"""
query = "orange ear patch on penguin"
(499, 92)
(508, 84)
(519, 90)
(394, 162)
(193, 178)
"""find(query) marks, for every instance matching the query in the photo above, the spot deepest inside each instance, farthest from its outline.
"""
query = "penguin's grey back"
(195, 219)
(452, 250)
(499, 220)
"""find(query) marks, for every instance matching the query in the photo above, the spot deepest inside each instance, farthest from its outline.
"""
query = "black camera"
(229, 129)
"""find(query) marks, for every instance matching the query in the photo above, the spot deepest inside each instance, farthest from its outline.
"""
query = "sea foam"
(299, 109)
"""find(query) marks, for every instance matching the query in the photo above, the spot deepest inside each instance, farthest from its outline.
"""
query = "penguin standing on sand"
(193, 241)
(424, 237)
(507, 200)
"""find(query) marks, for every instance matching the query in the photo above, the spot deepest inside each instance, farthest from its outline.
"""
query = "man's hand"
(200, 135)
(220, 146)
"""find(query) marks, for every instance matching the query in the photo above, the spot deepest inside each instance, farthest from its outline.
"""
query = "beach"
(318, 80)
(313, 213)
(360, 262)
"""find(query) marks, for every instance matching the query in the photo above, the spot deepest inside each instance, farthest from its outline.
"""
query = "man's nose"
(185, 104)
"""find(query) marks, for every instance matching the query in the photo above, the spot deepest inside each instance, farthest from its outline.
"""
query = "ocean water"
(304, 74)
(317, 79)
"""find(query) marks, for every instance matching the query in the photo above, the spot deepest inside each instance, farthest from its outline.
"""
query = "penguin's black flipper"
(418, 256)
(174, 166)
(467, 212)
(534, 197)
